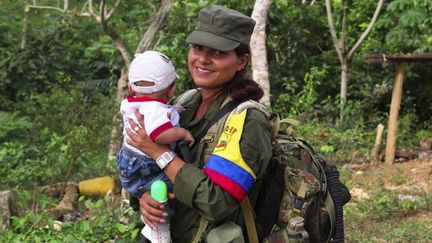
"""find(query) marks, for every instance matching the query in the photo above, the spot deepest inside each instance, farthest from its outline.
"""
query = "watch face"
(165, 159)
(167, 156)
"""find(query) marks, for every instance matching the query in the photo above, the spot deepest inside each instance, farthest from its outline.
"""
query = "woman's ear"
(243, 61)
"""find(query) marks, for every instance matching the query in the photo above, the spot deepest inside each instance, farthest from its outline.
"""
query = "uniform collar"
(215, 106)
(192, 106)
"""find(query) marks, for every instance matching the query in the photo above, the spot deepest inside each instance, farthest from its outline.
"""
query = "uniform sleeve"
(156, 120)
(216, 193)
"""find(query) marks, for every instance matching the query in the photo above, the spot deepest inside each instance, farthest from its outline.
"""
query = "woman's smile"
(203, 70)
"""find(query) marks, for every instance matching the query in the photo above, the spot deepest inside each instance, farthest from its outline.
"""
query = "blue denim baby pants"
(137, 172)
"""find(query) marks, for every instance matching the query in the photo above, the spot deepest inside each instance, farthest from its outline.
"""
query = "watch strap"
(165, 158)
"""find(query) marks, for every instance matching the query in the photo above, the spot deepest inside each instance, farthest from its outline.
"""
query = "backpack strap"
(296, 225)
(276, 123)
(334, 203)
(246, 208)
(329, 205)
(184, 97)
(183, 148)
(201, 228)
(249, 220)
(228, 107)
(252, 104)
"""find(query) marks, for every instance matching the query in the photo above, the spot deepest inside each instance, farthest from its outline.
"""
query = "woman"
(217, 59)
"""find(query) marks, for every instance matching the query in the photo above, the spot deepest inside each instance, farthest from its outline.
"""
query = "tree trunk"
(258, 48)
(340, 45)
(343, 86)
(116, 133)
(7, 208)
(158, 23)
(25, 27)
(121, 45)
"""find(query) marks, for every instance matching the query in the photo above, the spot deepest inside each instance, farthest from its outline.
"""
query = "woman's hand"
(140, 140)
(152, 211)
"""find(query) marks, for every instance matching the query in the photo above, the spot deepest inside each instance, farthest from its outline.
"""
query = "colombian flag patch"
(226, 167)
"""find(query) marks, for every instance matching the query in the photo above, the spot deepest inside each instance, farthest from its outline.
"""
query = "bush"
(95, 221)
(67, 139)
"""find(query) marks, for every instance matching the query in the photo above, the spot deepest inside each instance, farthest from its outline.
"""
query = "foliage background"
(57, 94)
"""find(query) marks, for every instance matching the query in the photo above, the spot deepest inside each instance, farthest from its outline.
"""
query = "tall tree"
(340, 43)
(258, 48)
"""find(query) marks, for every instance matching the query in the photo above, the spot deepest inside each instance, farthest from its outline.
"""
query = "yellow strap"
(246, 208)
(249, 220)
(301, 194)
(302, 190)
(201, 228)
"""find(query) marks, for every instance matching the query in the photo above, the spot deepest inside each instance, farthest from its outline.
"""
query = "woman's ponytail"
(243, 88)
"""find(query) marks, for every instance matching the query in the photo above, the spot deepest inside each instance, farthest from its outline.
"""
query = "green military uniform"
(198, 195)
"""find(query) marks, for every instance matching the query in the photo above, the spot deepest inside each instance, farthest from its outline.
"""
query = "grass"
(393, 228)
(397, 205)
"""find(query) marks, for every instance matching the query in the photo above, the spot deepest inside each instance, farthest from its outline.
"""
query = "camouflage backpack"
(312, 197)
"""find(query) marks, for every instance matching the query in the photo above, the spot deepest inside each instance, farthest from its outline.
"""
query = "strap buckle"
(296, 228)
(298, 203)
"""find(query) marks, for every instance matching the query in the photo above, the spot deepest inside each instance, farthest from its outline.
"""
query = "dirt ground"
(409, 181)
(403, 177)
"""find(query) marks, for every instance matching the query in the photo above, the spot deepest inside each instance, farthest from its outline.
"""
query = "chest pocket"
(209, 141)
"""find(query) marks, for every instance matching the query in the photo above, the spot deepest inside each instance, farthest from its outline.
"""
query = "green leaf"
(121, 227)
(384, 23)
(81, 198)
(71, 239)
(100, 203)
(327, 149)
(134, 233)
(84, 226)
(282, 3)
(398, 5)
(50, 224)
(412, 17)
(102, 221)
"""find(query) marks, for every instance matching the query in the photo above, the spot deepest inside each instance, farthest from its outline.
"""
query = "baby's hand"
(179, 108)
(189, 139)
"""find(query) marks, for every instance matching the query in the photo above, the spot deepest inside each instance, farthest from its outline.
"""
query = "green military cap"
(221, 28)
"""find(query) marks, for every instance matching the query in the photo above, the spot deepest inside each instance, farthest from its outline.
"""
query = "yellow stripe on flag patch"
(228, 146)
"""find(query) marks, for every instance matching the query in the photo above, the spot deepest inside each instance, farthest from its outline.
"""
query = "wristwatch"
(165, 159)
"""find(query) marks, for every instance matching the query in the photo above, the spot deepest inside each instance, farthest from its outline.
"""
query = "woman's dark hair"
(241, 87)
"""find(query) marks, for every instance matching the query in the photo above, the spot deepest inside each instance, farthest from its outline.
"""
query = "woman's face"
(212, 69)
